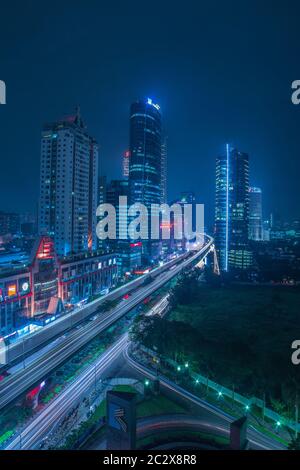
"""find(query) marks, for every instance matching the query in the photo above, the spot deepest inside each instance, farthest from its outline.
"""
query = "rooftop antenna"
(77, 111)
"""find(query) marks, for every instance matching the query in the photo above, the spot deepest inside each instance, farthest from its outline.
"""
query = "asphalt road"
(38, 428)
(212, 416)
(23, 379)
(175, 422)
(117, 362)
(32, 342)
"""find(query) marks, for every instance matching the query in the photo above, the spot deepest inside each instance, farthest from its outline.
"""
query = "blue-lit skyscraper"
(128, 253)
(255, 214)
(164, 162)
(145, 161)
(232, 210)
(125, 163)
(221, 210)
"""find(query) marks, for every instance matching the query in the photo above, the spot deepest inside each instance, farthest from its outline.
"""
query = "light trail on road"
(35, 431)
(56, 410)
(257, 438)
(13, 386)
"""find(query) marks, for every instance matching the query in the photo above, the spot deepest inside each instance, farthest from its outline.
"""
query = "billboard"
(121, 420)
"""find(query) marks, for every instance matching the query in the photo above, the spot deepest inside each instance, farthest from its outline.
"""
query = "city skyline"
(123, 172)
(199, 116)
(149, 230)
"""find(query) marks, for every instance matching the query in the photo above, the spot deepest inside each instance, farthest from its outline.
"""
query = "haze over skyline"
(220, 74)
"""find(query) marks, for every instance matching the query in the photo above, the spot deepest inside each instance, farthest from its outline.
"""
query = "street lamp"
(186, 365)
(178, 368)
(147, 383)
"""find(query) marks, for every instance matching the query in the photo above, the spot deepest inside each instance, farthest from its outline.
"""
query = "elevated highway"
(29, 343)
(13, 386)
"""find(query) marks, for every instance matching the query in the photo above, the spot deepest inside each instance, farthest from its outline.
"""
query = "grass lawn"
(242, 336)
(158, 405)
(185, 436)
(154, 406)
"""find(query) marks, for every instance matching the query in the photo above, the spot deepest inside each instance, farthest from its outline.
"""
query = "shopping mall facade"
(46, 285)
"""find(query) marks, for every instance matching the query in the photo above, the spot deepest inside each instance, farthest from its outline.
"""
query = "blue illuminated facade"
(255, 214)
(128, 254)
(232, 210)
(221, 211)
(145, 161)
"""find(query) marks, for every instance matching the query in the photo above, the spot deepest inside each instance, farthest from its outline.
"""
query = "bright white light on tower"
(156, 106)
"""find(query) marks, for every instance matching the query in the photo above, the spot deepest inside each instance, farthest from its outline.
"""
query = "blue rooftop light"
(150, 102)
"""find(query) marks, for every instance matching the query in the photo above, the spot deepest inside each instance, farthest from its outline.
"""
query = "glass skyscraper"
(164, 161)
(128, 253)
(232, 210)
(125, 163)
(145, 162)
(222, 210)
(255, 214)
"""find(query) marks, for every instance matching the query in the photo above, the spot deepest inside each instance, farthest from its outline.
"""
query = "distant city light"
(12, 290)
(25, 286)
(227, 208)
(156, 106)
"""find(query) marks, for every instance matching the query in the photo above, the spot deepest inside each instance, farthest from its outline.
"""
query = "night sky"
(221, 71)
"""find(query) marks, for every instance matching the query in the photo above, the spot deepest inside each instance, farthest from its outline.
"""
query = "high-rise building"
(102, 186)
(255, 214)
(28, 224)
(9, 223)
(296, 227)
(239, 256)
(102, 189)
(188, 197)
(125, 163)
(128, 253)
(222, 210)
(275, 220)
(115, 189)
(164, 162)
(145, 162)
(232, 210)
(69, 185)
